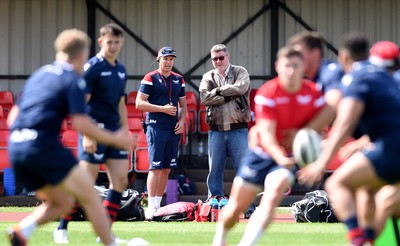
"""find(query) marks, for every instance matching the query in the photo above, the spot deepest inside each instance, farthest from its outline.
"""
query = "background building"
(252, 29)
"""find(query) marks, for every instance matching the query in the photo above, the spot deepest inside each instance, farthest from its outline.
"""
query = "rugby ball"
(306, 146)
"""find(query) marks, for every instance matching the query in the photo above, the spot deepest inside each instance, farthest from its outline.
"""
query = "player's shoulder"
(150, 76)
(269, 86)
(364, 70)
(152, 73)
(396, 76)
(177, 75)
(61, 70)
(121, 67)
(309, 85)
(331, 72)
(94, 62)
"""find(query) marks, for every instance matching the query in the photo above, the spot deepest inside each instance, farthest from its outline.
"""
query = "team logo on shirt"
(282, 100)
(248, 172)
(347, 79)
(82, 84)
(123, 152)
(106, 73)
(156, 163)
(24, 135)
(121, 75)
(303, 99)
(175, 81)
(98, 156)
(159, 80)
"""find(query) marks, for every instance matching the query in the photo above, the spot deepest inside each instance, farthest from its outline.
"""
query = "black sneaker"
(250, 211)
(15, 238)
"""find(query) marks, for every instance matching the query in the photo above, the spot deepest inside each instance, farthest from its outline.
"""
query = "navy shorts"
(386, 161)
(163, 148)
(36, 166)
(103, 152)
(256, 165)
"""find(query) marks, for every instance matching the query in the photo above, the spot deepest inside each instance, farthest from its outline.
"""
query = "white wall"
(190, 26)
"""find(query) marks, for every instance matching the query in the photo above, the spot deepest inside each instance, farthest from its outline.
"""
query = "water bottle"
(214, 209)
(221, 204)
(201, 148)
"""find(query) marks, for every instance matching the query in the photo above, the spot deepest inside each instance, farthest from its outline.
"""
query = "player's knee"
(66, 205)
(166, 171)
(331, 184)
(233, 209)
(389, 197)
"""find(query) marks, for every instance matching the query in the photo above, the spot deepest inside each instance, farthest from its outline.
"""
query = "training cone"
(137, 242)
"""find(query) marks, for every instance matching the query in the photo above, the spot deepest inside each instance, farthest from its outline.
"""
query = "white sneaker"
(116, 240)
(149, 213)
(60, 236)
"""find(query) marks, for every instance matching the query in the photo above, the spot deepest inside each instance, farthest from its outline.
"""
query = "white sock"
(158, 202)
(27, 226)
(220, 235)
(151, 202)
(251, 235)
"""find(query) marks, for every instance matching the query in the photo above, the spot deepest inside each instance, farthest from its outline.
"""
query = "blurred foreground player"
(370, 102)
(106, 80)
(286, 102)
(39, 159)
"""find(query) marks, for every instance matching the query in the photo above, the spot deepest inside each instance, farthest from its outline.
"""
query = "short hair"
(112, 29)
(310, 39)
(72, 42)
(356, 45)
(219, 47)
(288, 51)
(396, 65)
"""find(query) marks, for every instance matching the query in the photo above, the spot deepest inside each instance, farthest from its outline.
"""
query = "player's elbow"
(80, 122)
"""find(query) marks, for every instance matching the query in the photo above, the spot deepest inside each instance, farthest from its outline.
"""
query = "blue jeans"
(219, 142)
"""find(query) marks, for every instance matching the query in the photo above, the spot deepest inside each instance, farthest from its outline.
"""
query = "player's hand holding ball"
(307, 147)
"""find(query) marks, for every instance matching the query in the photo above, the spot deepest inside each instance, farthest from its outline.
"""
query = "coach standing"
(161, 92)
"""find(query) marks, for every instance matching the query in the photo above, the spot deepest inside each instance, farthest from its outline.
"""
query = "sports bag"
(131, 206)
(314, 207)
(178, 211)
(203, 209)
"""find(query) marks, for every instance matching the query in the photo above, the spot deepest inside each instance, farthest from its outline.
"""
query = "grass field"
(190, 233)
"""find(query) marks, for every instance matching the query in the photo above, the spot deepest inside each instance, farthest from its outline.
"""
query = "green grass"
(192, 233)
(16, 209)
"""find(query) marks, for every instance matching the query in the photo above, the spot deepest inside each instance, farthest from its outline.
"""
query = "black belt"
(228, 127)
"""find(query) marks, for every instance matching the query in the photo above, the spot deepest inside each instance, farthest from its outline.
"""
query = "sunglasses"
(221, 58)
